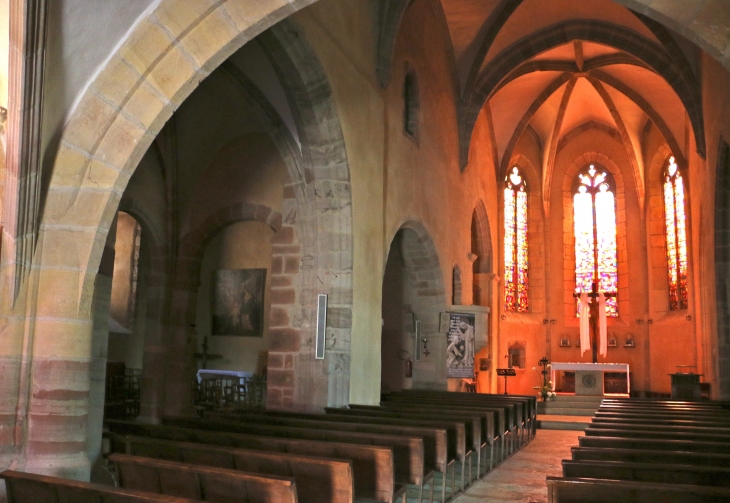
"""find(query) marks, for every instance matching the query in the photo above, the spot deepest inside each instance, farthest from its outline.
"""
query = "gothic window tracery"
(594, 226)
(676, 227)
(515, 242)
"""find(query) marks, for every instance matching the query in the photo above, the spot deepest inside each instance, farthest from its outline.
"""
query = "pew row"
(581, 490)
(317, 479)
(32, 488)
(649, 472)
(408, 451)
(452, 446)
(201, 482)
(373, 466)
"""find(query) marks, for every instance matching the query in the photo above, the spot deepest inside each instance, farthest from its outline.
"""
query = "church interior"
(328, 201)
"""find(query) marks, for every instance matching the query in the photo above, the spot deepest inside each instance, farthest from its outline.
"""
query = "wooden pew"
(510, 411)
(437, 451)
(31, 488)
(515, 410)
(373, 466)
(201, 482)
(438, 441)
(529, 409)
(493, 418)
(474, 434)
(715, 432)
(649, 432)
(408, 451)
(318, 479)
(663, 473)
(653, 444)
(580, 490)
(656, 421)
(650, 456)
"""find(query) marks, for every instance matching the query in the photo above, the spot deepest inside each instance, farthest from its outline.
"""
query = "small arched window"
(515, 242)
(676, 226)
(410, 104)
(594, 226)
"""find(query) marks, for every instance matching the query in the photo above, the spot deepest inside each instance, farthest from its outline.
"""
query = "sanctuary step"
(567, 412)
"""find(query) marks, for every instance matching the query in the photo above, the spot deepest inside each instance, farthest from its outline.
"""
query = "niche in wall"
(243, 245)
(516, 355)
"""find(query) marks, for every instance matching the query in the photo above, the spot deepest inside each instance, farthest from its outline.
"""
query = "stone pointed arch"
(160, 63)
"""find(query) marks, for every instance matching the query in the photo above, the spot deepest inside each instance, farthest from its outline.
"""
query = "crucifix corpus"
(593, 315)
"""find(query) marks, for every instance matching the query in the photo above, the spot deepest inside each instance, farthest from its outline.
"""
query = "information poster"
(460, 345)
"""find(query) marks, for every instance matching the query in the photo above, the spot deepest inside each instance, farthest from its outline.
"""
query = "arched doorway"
(413, 301)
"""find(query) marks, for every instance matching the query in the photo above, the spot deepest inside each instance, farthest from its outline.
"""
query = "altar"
(589, 377)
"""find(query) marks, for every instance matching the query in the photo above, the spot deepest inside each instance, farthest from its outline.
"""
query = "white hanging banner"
(602, 331)
(585, 336)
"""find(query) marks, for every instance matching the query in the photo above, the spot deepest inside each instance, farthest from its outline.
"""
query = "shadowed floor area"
(522, 477)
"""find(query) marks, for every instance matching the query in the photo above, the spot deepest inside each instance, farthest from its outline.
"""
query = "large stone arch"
(116, 119)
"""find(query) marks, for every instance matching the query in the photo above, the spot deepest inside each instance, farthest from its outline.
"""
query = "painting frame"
(237, 302)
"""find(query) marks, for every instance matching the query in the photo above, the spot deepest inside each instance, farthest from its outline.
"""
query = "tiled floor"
(522, 477)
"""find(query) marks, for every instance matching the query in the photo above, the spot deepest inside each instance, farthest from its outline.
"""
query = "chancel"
(460, 180)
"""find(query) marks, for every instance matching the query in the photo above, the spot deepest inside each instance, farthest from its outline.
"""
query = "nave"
(415, 446)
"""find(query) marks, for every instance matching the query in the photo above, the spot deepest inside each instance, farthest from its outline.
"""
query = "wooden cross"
(204, 355)
(593, 314)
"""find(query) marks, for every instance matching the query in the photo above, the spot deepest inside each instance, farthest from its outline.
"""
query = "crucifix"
(204, 355)
(593, 315)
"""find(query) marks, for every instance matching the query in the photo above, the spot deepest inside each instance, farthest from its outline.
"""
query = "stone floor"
(522, 477)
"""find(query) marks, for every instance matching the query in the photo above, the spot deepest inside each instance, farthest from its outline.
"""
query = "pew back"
(32, 488)
(201, 482)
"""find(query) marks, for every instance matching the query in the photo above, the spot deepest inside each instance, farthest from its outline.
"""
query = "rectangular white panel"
(321, 326)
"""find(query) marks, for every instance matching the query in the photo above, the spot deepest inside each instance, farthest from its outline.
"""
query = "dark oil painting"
(238, 302)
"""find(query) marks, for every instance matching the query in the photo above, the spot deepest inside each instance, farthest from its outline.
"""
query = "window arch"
(594, 229)
(410, 104)
(676, 227)
(515, 242)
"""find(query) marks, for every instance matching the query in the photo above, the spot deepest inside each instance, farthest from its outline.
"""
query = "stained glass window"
(594, 226)
(515, 242)
(674, 217)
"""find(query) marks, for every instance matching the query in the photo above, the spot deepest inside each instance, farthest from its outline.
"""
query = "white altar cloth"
(202, 373)
(588, 367)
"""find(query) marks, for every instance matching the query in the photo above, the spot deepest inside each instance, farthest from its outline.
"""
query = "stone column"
(99, 345)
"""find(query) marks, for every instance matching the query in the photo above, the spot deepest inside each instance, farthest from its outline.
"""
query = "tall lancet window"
(594, 219)
(515, 242)
(674, 215)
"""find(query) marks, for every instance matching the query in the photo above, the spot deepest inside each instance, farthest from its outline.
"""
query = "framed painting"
(238, 302)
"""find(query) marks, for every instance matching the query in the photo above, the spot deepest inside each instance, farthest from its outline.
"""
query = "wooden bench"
(408, 451)
(201, 482)
(473, 432)
(649, 432)
(664, 473)
(684, 429)
(516, 411)
(31, 488)
(581, 490)
(657, 421)
(373, 466)
(653, 444)
(438, 442)
(512, 426)
(495, 419)
(317, 479)
(650, 456)
(529, 416)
